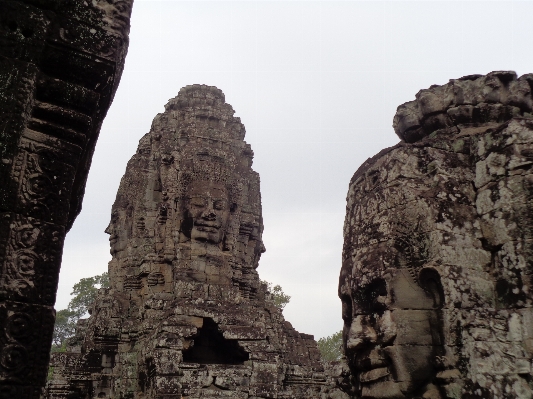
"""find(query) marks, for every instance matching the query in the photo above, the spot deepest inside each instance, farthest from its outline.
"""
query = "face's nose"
(109, 229)
(209, 211)
(361, 333)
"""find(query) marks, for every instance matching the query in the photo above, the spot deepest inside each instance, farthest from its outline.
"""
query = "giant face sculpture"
(207, 211)
(392, 323)
(392, 335)
(437, 272)
(119, 231)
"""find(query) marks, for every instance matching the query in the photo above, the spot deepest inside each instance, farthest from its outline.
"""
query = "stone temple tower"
(186, 315)
(437, 275)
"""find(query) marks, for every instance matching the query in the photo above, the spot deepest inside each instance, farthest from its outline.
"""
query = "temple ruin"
(437, 276)
(186, 315)
(60, 64)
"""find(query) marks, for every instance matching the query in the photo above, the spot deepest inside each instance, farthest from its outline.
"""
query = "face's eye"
(377, 295)
(371, 298)
(219, 204)
(197, 202)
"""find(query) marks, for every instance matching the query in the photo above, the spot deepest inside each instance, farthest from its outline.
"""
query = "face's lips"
(372, 366)
(371, 360)
(113, 238)
(207, 229)
(210, 227)
(373, 375)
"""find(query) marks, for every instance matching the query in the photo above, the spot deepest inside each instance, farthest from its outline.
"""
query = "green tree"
(84, 293)
(63, 327)
(331, 347)
(278, 296)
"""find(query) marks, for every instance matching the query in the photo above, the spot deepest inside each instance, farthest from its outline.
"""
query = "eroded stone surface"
(60, 64)
(437, 273)
(186, 315)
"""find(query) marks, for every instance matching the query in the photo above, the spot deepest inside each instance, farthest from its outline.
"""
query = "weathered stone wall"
(186, 314)
(437, 273)
(60, 64)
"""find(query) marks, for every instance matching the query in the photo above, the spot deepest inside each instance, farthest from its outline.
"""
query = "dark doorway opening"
(210, 347)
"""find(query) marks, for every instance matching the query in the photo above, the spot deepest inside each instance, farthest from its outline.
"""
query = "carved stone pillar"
(60, 64)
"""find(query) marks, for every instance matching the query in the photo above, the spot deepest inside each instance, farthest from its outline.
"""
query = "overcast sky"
(316, 84)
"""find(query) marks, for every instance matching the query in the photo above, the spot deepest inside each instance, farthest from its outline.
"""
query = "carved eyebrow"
(207, 196)
(201, 197)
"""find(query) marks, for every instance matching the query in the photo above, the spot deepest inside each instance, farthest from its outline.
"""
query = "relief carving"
(20, 266)
(60, 63)
(207, 212)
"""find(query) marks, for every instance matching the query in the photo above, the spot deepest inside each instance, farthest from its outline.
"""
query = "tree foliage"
(279, 298)
(84, 293)
(64, 327)
(331, 347)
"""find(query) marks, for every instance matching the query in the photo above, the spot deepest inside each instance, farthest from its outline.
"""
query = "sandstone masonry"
(60, 64)
(437, 274)
(186, 314)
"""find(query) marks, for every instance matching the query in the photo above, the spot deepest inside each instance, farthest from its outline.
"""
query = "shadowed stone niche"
(60, 64)
(437, 276)
(186, 315)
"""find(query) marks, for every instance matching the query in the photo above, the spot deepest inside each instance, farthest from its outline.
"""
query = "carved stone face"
(207, 211)
(119, 232)
(392, 331)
